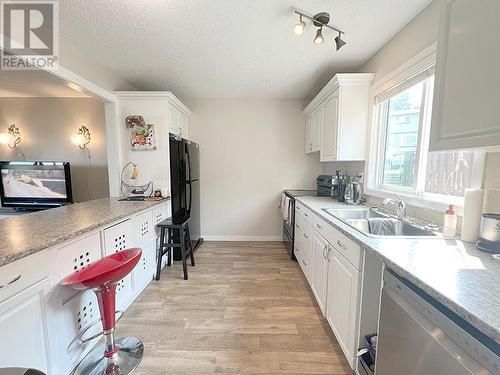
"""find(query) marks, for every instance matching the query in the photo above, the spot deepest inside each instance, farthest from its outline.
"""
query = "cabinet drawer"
(117, 237)
(142, 225)
(19, 275)
(303, 211)
(345, 246)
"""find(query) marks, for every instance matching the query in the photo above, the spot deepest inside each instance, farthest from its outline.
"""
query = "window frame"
(376, 149)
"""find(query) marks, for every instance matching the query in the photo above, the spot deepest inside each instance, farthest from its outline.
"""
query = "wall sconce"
(12, 138)
(82, 138)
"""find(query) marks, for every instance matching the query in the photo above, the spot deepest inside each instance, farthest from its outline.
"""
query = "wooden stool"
(167, 231)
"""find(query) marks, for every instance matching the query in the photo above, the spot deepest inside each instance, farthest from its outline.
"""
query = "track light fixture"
(320, 20)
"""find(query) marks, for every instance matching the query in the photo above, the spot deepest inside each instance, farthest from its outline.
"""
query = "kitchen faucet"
(398, 204)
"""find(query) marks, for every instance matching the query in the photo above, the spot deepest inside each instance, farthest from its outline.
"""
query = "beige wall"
(250, 151)
(46, 126)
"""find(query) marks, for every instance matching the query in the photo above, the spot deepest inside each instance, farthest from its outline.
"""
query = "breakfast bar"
(51, 322)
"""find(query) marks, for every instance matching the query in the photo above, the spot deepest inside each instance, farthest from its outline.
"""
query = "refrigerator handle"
(188, 182)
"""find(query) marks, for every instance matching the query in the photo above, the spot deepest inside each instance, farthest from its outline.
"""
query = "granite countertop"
(456, 273)
(27, 234)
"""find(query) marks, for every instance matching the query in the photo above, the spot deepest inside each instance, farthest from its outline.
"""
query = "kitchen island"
(42, 322)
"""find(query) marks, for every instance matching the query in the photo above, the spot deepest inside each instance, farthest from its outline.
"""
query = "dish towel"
(382, 226)
(285, 209)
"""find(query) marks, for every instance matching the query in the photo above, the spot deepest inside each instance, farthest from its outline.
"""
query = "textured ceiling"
(229, 48)
(34, 83)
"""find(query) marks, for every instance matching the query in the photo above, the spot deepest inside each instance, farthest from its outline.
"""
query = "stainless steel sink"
(358, 218)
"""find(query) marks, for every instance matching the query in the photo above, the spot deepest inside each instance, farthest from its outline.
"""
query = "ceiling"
(34, 83)
(229, 48)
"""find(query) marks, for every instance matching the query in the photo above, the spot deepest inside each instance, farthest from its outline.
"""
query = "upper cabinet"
(467, 94)
(337, 118)
(178, 121)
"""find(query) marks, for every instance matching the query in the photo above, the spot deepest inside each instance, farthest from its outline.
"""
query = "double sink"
(373, 223)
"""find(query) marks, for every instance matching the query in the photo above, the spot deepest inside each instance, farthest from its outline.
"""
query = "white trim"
(242, 238)
(341, 79)
(155, 95)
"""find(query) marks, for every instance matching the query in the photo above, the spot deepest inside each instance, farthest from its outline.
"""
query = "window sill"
(431, 201)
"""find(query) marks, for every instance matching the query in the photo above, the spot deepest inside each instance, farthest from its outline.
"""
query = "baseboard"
(242, 238)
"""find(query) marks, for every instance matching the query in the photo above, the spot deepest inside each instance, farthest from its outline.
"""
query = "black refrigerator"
(185, 186)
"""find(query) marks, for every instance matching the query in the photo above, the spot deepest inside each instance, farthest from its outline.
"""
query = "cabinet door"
(309, 126)
(319, 269)
(317, 128)
(465, 109)
(329, 133)
(342, 302)
(23, 326)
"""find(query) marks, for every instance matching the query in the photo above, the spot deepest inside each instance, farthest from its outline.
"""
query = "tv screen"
(33, 184)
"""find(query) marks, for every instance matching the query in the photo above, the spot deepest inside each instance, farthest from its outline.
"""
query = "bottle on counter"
(341, 188)
(450, 223)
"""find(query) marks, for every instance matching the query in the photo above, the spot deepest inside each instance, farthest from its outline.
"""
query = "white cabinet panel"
(143, 228)
(319, 269)
(143, 272)
(23, 327)
(309, 126)
(174, 120)
(118, 237)
(328, 149)
(465, 109)
(343, 302)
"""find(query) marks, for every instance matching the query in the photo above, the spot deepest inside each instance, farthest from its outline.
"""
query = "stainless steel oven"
(289, 228)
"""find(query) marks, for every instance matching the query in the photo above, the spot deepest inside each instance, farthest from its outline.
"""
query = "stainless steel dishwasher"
(420, 336)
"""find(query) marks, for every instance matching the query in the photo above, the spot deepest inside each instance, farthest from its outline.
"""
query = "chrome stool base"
(123, 362)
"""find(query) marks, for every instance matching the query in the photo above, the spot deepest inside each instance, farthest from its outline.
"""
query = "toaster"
(489, 234)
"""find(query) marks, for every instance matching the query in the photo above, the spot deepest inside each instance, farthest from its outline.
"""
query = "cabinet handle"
(340, 244)
(305, 214)
(328, 254)
(305, 235)
(11, 281)
(319, 226)
(303, 261)
(298, 208)
(297, 225)
(324, 249)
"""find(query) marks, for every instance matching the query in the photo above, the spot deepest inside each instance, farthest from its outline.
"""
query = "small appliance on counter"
(327, 185)
(489, 234)
(339, 187)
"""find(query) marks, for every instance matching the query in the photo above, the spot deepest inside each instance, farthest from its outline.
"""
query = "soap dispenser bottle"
(450, 223)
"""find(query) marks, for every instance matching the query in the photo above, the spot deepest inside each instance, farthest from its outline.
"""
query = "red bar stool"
(113, 357)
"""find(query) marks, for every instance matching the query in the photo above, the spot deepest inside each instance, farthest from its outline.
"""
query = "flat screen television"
(35, 185)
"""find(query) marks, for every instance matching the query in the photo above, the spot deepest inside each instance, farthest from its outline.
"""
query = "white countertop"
(461, 277)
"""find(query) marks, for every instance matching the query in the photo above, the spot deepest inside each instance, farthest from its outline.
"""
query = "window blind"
(406, 84)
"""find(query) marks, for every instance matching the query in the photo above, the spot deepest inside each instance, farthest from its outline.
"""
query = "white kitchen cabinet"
(328, 148)
(309, 126)
(340, 114)
(178, 121)
(23, 317)
(319, 269)
(342, 302)
(466, 96)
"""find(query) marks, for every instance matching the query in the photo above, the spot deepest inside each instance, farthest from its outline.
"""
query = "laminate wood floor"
(246, 309)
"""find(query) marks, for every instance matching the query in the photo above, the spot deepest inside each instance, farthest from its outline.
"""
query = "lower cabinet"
(23, 326)
(330, 263)
(343, 302)
(320, 248)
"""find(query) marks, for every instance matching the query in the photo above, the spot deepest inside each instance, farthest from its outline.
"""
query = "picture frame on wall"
(141, 134)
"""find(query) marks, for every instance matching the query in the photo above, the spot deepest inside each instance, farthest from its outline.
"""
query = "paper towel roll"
(491, 201)
(473, 209)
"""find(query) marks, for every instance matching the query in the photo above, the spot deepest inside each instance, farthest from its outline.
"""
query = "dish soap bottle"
(450, 223)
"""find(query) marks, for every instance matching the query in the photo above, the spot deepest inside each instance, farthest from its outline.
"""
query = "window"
(402, 162)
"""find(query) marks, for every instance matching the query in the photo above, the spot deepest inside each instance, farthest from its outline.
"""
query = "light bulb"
(77, 139)
(319, 37)
(5, 138)
(299, 27)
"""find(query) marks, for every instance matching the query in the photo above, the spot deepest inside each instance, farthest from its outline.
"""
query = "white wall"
(153, 164)
(250, 151)
(46, 126)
